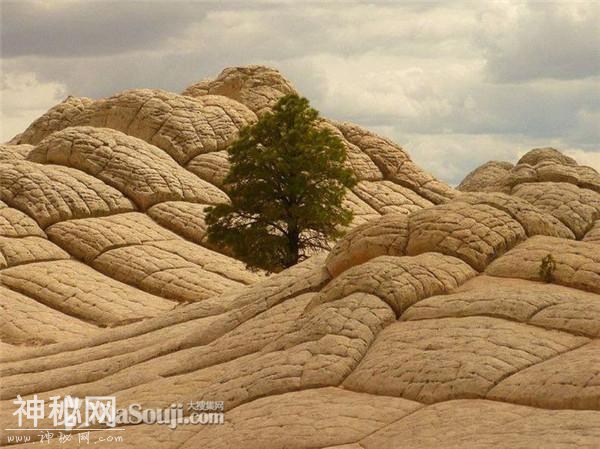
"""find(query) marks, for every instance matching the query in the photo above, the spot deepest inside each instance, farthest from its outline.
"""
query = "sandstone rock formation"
(483, 178)
(428, 325)
(256, 87)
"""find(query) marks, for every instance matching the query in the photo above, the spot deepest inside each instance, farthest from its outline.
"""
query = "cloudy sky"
(455, 83)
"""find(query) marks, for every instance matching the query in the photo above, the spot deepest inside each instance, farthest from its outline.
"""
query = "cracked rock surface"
(429, 324)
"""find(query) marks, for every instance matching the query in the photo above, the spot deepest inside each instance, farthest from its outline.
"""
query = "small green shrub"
(547, 268)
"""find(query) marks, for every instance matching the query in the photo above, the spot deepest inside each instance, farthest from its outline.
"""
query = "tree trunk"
(293, 247)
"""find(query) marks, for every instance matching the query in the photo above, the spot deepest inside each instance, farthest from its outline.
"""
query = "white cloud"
(456, 83)
(75, 29)
(379, 87)
(451, 156)
(23, 98)
(543, 40)
(589, 158)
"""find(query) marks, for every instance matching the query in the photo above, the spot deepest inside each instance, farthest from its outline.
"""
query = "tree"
(286, 183)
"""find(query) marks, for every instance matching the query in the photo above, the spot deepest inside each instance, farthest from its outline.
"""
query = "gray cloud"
(82, 29)
(547, 40)
(457, 84)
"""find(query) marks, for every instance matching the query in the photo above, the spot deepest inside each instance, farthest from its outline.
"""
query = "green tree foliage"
(547, 267)
(286, 183)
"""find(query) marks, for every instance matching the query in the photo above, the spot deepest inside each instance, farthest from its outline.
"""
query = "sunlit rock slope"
(428, 325)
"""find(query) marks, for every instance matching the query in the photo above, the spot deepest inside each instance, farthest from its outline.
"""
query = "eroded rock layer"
(464, 318)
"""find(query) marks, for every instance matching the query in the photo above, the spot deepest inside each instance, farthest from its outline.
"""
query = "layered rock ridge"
(430, 324)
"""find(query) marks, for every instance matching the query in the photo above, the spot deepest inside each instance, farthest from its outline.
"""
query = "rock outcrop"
(256, 87)
(430, 324)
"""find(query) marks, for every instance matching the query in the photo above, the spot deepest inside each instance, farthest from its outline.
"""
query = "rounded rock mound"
(443, 318)
(257, 87)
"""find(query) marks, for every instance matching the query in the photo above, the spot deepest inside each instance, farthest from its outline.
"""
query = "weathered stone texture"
(428, 325)
(14, 152)
(485, 177)
(577, 263)
(143, 172)
(257, 87)
(51, 193)
(441, 359)
(476, 233)
(577, 208)
(57, 118)
(385, 236)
